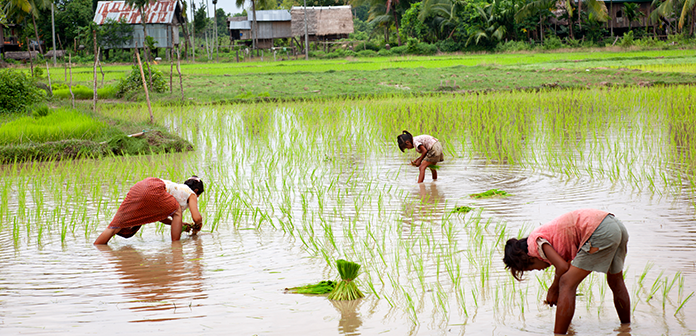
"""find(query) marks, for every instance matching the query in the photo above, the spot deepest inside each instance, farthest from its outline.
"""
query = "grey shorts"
(435, 153)
(611, 239)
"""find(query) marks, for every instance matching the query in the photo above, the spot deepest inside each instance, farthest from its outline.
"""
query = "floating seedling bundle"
(322, 287)
(346, 289)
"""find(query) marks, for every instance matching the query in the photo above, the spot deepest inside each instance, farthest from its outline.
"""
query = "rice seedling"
(321, 287)
(490, 193)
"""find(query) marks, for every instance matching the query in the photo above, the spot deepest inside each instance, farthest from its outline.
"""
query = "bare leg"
(176, 225)
(434, 173)
(622, 301)
(105, 236)
(566, 298)
(421, 175)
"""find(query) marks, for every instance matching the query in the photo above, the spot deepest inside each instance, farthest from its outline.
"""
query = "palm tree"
(595, 9)
(445, 12)
(20, 8)
(379, 13)
(632, 12)
(488, 28)
(535, 7)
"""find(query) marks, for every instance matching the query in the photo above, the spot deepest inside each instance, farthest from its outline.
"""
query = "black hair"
(402, 138)
(516, 258)
(195, 183)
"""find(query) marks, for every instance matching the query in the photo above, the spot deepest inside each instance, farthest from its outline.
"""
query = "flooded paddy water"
(290, 188)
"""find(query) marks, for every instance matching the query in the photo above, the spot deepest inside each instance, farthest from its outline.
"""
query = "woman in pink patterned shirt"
(429, 148)
(575, 243)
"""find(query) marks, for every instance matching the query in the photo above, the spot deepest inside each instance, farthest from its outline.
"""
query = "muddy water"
(231, 281)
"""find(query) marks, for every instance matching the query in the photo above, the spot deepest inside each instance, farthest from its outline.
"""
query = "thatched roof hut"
(326, 22)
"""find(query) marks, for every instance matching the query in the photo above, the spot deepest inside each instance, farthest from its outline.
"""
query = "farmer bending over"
(156, 200)
(575, 243)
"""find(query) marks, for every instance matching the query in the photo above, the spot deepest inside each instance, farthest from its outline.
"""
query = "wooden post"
(178, 69)
(101, 69)
(31, 62)
(171, 58)
(142, 76)
(72, 95)
(96, 60)
(237, 55)
(48, 74)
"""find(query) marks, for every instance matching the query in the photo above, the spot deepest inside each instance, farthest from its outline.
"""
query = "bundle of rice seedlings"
(187, 227)
(490, 193)
(346, 289)
(321, 287)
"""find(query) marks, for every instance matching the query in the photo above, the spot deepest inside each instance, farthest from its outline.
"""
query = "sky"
(228, 5)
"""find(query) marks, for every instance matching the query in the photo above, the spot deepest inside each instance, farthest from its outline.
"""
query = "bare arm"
(561, 267)
(423, 151)
(193, 206)
(166, 221)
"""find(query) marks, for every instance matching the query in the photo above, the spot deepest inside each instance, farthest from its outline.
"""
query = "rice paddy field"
(293, 187)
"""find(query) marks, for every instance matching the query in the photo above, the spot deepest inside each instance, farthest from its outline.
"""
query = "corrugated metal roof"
(240, 25)
(158, 12)
(271, 15)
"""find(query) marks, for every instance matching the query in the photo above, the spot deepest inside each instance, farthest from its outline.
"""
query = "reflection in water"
(157, 282)
(431, 204)
(350, 319)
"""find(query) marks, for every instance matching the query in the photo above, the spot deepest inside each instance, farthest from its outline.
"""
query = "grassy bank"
(300, 79)
(66, 133)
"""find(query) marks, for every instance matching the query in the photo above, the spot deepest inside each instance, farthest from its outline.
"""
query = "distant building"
(273, 24)
(8, 38)
(323, 23)
(617, 17)
(162, 20)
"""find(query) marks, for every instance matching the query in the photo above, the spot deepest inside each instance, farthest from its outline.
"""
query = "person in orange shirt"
(576, 244)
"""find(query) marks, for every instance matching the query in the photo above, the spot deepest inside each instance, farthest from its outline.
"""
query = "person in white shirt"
(430, 150)
(156, 200)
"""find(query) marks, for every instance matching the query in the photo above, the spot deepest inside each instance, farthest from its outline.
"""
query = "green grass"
(60, 124)
(490, 193)
(401, 75)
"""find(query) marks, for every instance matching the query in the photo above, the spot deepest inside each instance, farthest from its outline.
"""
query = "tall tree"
(19, 9)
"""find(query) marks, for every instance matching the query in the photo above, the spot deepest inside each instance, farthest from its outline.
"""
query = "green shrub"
(627, 39)
(448, 45)
(573, 43)
(317, 54)
(367, 53)
(40, 110)
(133, 82)
(62, 124)
(38, 72)
(367, 45)
(423, 48)
(512, 46)
(399, 50)
(552, 43)
(648, 42)
(17, 91)
(384, 52)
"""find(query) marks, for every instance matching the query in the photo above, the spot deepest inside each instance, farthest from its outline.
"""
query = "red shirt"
(566, 233)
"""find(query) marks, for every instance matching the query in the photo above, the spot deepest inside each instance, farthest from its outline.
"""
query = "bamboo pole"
(31, 62)
(96, 60)
(142, 76)
(48, 74)
(72, 95)
(171, 58)
(178, 69)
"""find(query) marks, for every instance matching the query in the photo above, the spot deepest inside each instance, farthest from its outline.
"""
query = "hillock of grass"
(69, 134)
